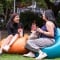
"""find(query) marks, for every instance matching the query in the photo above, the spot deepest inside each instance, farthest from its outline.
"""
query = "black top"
(14, 29)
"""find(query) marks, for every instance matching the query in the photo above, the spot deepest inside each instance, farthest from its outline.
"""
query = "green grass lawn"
(18, 57)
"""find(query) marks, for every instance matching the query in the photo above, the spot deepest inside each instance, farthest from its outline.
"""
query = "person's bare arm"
(50, 29)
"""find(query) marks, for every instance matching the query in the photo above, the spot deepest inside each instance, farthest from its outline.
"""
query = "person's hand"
(39, 30)
(20, 30)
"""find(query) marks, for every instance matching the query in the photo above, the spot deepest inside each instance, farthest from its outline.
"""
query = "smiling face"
(16, 19)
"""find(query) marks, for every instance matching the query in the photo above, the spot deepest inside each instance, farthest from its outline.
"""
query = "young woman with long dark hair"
(47, 33)
(15, 30)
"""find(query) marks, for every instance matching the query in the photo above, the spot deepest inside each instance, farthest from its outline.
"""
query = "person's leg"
(31, 45)
(35, 45)
(6, 41)
(15, 37)
(48, 42)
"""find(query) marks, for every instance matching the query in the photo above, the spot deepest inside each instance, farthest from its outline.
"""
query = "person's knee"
(10, 36)
(29, 42)
(7, 39)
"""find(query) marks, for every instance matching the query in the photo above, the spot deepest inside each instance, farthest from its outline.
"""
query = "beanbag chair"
(18, 46)
(54, 50)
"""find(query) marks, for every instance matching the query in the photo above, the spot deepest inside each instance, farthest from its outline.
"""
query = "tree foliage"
(7, 5)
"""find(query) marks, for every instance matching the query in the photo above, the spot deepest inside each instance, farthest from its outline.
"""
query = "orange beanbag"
(18, 46)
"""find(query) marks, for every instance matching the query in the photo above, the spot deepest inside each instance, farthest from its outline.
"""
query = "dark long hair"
(11, 22)
(50, 16)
